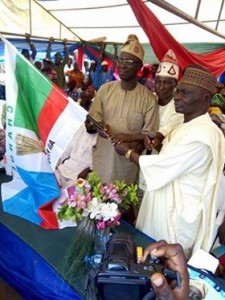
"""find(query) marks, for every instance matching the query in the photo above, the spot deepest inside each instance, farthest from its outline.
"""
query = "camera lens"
(195, 293)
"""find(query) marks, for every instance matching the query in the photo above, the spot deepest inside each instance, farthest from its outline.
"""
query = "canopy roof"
(112, 20)
(198, 25)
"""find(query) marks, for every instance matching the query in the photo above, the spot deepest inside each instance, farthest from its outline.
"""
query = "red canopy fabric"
(161, 41)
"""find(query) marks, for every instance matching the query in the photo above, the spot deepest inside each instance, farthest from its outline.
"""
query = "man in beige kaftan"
(125, 111)
(180, 203)
(128, 110)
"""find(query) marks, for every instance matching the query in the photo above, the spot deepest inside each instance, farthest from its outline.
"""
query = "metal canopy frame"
(161, 3)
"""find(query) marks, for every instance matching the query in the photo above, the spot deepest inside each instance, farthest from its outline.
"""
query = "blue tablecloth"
(30, 257)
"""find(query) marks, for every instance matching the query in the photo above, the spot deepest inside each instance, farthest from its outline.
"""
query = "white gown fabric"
(77, 156)
(180, 203)
(169, 118)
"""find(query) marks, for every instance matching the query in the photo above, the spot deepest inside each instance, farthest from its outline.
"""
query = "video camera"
(121, 277)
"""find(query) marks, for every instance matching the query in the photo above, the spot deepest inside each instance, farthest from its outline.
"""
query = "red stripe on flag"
(52, 109)
(49, 216)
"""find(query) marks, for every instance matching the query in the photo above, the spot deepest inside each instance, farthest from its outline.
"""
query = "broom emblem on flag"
(26, 145)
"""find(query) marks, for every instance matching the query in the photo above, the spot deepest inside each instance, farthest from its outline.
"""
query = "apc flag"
(40, 122)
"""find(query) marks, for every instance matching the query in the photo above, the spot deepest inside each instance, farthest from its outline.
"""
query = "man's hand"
(174, 259)
(51, 40)
(152, 143)
(157, 144)
(83, 174)
(104, 133)
(28, 36)
(120, 138)
(122, 148)
(148, 142)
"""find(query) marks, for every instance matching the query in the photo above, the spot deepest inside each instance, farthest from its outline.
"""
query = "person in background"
(127, 110)
(75, 76)
(180, 203)
(166, 78)
(106, 73)
(219, 87)
(144, 76)
(86, 68)
(85, 100)
(38, 65)
(100, 73)
(91, 92)
(59, 63)
(93, 73)
(150, 82)
(48, 70)
(76, 160)
(217, 104)
(93, 66)
(165, 83)
(26, 52)
(216, 109)
(72, 92)
(68, 67)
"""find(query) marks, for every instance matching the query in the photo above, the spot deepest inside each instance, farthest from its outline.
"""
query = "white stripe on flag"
(63, 130)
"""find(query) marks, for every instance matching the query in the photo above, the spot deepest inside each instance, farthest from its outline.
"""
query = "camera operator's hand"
(174, 259)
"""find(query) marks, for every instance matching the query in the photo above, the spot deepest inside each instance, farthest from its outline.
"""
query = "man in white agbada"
(77, 158)
(166, 79)
(180, 203)
(165, 83)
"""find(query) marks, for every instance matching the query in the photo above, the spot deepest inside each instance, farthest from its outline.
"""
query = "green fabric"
(29, 100)
(150, 57)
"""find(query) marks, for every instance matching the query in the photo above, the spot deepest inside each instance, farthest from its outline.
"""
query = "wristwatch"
(128, 154)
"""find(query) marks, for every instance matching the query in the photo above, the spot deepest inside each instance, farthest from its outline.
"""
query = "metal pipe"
(35, 37)
(58, 20)
(165, 5)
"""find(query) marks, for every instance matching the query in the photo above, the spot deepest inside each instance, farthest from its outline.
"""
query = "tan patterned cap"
(133, 46)
(200, 78)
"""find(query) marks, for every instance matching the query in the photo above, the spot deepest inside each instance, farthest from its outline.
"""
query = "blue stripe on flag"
(41, 189)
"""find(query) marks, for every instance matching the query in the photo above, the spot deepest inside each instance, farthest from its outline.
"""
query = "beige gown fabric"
(180, 203)
(126, 112)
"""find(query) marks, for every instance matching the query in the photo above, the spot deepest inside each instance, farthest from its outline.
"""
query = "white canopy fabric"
(109, 20)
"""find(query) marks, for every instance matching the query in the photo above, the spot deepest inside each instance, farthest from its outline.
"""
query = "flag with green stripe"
(40, 122)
